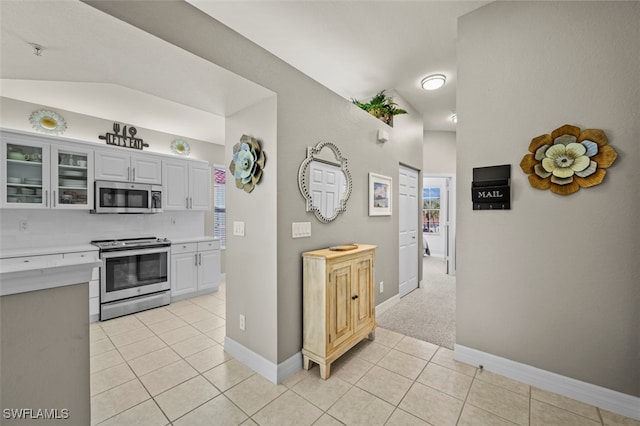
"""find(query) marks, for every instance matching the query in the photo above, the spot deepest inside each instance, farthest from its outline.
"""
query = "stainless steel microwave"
(127, 197)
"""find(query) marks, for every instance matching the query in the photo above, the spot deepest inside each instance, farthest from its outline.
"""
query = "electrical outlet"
(24, 225)
(381, 286)
(242, 323)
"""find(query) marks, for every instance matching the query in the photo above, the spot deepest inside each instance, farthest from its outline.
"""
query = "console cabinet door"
(339, 293)
(363, 305)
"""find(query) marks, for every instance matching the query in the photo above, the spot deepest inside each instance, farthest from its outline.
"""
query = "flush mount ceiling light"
(433, 82)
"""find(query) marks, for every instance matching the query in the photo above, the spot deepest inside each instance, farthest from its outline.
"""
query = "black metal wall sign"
(491, 188)
(118, 138)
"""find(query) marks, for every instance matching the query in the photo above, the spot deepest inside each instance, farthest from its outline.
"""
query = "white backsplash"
(52, 228)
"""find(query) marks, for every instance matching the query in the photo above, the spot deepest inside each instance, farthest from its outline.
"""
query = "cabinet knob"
(354, 297)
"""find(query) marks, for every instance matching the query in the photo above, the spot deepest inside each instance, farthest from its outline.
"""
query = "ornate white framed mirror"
(324, 181)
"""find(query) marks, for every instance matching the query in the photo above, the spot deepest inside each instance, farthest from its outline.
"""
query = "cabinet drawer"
(184, 248)
(87, 254)
(25, 259)
(209, 245)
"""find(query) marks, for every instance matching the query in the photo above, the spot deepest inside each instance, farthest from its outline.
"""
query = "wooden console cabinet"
(338, 303)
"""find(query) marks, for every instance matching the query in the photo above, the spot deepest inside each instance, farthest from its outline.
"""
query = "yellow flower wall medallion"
(568, 159)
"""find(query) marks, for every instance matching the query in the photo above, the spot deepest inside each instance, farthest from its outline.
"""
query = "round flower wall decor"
(568, 159)
(248, 163)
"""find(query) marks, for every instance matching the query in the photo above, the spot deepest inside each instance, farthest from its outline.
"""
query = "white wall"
(15, 115)
(439, 153)
(251, 268)
(553, 282)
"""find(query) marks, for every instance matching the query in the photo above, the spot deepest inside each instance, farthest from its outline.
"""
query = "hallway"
(429, 312)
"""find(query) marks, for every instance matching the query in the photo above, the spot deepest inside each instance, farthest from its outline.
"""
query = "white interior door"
(408, 192)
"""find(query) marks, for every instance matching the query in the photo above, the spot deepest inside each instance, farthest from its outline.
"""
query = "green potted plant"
(381, 106)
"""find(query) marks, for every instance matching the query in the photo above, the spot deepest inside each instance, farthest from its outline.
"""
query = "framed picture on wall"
(380, 195)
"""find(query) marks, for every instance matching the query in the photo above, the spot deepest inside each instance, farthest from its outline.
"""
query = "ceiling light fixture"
(433, 82)
(454, 118)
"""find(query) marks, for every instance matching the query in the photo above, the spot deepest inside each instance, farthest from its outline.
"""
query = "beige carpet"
(427, 313)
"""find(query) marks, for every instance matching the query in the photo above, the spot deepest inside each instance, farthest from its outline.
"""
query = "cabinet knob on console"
(354, 297)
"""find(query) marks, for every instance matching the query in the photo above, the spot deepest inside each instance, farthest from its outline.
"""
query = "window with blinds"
(219, 204)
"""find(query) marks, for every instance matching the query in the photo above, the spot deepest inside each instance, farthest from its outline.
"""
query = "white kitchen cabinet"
(127, 167)
(209, 265)
(187, 185)
(195, 268)
(184, 269)
(39, 174)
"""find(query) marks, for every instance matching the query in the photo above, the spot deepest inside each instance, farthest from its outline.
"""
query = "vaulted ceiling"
(95, 64)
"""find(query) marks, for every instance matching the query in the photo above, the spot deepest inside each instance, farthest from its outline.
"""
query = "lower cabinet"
(338, 303)
(195, 268)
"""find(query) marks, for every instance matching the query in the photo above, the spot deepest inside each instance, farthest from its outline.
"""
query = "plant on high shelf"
(381, 106)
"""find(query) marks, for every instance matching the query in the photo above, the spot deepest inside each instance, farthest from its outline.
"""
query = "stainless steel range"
(134, 275)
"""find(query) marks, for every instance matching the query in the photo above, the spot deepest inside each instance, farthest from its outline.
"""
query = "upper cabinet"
(38, 174)
(51, 172)
(128, 167)
(187, 185)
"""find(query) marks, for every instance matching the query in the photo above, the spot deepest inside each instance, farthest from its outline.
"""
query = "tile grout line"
(137, 378)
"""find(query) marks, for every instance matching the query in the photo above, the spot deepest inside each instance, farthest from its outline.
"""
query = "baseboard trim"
(275, 373)
(387, 304)
(614, 401)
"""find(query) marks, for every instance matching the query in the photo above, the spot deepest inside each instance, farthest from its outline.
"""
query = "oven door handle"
(135, 252)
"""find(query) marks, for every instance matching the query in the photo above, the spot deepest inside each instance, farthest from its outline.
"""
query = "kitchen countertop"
(192, 240)
(40, 251)
(47, 273)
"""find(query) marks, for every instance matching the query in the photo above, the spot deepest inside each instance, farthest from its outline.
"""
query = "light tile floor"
(167, 366)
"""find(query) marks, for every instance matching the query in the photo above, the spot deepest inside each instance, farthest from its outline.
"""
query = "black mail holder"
(491, 188)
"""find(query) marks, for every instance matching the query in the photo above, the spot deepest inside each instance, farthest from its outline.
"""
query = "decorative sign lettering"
(490, 194)
(118, 138)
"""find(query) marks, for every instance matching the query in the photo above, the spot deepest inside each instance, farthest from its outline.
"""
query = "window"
(431, 210)
(219, 205)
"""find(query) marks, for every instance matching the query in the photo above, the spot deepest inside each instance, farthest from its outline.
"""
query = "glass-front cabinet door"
(25, 175)
(71, 177)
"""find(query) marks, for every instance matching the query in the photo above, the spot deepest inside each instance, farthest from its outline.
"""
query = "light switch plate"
(238, 229)
(300, 229)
